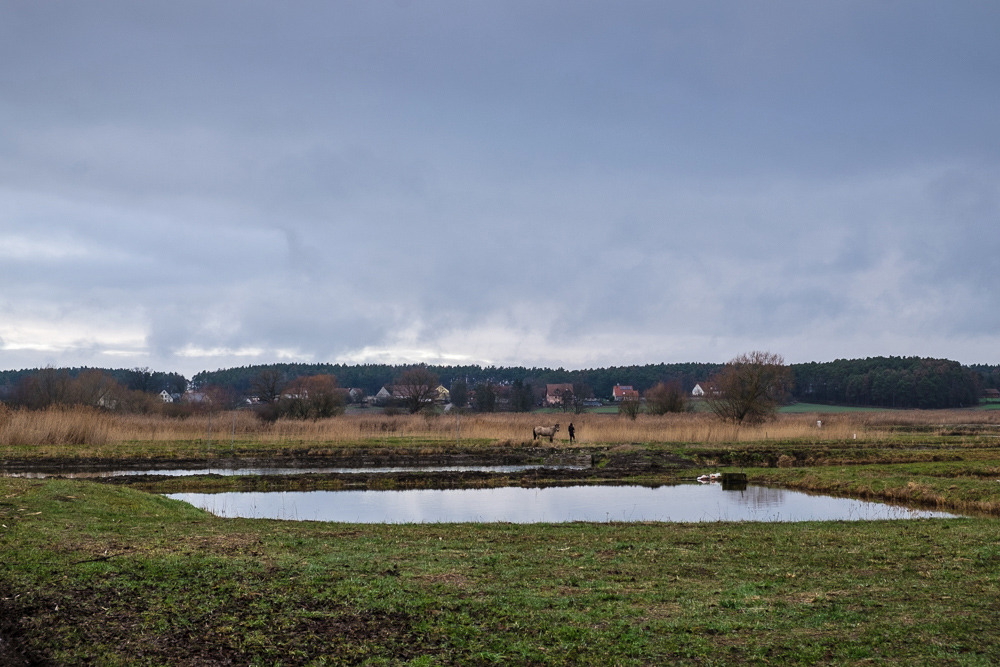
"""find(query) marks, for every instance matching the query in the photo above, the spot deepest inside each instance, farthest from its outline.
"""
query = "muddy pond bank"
(554, 466)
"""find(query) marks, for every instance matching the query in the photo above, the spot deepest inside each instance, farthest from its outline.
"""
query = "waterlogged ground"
(113, 573)
(99, 574)
(671, 503)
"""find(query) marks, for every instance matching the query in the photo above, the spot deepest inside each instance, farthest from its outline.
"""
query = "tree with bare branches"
(417, 388)
(750, 388)
(268, 385)
(664, 397)
(630, 406)
(312, 397)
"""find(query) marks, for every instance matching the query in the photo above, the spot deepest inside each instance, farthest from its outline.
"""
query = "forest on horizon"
(891, 382)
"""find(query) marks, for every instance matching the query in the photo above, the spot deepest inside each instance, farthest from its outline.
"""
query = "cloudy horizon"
(192, 186)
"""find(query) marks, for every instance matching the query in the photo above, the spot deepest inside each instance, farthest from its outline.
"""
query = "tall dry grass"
(79, 426)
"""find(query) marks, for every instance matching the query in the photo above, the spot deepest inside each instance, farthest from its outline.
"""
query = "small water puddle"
(226, 472)
(676, 503)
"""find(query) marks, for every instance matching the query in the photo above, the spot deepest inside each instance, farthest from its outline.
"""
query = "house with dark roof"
(554, 393)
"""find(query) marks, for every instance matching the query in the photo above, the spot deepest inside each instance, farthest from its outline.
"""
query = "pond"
(270, 470)
(674, 503)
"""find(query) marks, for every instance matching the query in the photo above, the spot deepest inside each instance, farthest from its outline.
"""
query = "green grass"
(93, 574)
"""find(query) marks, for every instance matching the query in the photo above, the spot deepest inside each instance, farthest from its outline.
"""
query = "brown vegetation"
(750, 388)
(664, 397)
(417, 388)
(81, 425)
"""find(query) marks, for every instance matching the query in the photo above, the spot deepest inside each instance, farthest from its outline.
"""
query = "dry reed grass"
(78, 426)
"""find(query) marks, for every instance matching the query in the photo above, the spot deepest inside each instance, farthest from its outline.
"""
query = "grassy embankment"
(93, 574)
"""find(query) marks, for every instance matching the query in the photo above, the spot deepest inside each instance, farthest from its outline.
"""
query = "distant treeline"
(131, 391)
(134, 379)
(372, 377)
(892, 382)
(989, 376)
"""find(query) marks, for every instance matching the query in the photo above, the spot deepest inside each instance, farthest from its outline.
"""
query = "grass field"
(102, 574)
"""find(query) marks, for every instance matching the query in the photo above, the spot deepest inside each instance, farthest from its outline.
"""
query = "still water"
(179, 472)
(679, 503)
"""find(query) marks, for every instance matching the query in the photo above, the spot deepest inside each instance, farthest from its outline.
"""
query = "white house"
(166, 397)
(703, 388)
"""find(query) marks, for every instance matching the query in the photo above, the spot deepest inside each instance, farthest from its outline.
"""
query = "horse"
(544, 432)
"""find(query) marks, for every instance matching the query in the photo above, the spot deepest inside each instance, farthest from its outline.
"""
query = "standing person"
(572, 433)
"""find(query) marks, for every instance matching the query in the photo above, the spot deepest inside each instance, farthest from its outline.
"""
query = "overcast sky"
(196, 185)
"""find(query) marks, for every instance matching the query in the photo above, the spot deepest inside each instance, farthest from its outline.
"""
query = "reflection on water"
(680, 503)
(177, 472)
(765, 497)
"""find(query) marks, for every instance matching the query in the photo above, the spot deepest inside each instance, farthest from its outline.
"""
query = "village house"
(383, 396)
(703, 388)
(554, 393)
(623, 391)
(399, 394)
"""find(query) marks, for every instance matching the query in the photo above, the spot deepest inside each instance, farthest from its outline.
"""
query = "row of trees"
(489, 397)
(142, 379)
(310, 397)
(748, 390)
(889, 382)
(372, 377)
(49, 387)
(297, 390)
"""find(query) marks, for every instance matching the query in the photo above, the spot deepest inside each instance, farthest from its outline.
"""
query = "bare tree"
(666, 397)
(750, 388)
(630, 406)
(268, 385)
(313, 397)
(417, 387)
(97, 388)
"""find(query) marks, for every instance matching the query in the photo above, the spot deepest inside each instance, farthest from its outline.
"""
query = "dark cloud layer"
(193, 185)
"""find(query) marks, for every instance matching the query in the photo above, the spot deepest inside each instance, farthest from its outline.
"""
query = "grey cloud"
(313, 179)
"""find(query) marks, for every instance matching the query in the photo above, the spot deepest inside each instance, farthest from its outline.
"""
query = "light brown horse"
(544, 432)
